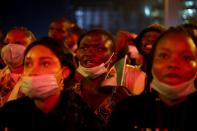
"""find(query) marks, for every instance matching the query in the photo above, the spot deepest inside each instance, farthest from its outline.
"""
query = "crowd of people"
(77, 79)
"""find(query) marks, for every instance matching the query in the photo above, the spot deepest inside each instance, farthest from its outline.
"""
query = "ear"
(65, 72)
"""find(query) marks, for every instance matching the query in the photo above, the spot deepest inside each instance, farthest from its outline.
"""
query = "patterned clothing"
(8, 81)
(100, 97)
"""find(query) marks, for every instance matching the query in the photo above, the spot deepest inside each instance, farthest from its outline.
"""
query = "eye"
(45, 64)
(83, 48)
(162, 55)
(28, 64)
(187, 58)
(61, 30)
(100, 49)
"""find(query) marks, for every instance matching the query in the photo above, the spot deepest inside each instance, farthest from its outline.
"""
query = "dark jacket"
(144, 112)
(70, 114)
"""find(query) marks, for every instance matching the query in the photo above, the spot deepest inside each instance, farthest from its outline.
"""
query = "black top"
(190, 116)
(70, 114)
(146, 111)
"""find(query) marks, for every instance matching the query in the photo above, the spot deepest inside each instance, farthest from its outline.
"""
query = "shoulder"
(71, 98)
(134, 103)
(13, 110)
(17, 104)
(192, 96)
(191, 99)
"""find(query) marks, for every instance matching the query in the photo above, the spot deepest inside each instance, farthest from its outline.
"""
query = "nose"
(34, 70)
(90, 50)
(151, 41)
(174, 62)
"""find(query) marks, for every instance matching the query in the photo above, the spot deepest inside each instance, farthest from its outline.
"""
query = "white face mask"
(39, 87)
(12, 55)
(92, 72)
(173, 91)
(96, 71)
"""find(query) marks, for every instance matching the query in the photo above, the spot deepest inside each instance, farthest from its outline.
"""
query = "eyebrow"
(94, 45)
(41, 58)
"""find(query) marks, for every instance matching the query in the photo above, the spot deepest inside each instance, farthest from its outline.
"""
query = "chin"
(173, 82)
(89, 65)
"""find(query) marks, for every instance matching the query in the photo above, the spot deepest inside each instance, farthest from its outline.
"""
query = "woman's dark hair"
(152, 53)
(99, 31)
(64, 55)
(152, 28)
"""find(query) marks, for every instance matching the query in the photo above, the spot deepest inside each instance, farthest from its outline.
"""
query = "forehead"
(177, 41)
(95, 37)
(37, 51)
(151, 33)
(16, 34)
(61, 24)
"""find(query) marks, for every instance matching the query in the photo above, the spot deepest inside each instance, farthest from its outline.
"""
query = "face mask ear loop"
(108, 61)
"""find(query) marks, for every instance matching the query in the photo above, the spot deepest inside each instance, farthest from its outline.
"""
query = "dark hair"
(152, 53)
(64, 55)
(99, 31)
(152, 28)
(191, 28)
(189, 25)
(64, 20)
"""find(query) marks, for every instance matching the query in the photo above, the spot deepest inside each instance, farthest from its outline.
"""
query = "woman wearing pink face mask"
(47, 68)
(12, 53)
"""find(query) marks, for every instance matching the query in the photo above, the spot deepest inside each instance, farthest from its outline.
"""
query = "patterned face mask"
(12, 55)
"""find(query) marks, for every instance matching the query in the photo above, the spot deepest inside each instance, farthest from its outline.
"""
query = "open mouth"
(148, 46)
(89, 63)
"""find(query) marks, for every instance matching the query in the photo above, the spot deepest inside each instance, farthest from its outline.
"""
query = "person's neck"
(49, 103)
(171, 102)
(78, 76)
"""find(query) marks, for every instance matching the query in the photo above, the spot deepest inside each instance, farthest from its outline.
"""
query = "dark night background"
(33, 14)
(113, 15)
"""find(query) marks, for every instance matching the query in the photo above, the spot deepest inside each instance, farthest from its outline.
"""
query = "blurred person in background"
(2, 36)
(16, 40)
(73, 36)
(66, 32)
(146, 39)
(128, 63)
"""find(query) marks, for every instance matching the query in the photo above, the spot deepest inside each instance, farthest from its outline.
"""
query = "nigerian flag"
(120, 70)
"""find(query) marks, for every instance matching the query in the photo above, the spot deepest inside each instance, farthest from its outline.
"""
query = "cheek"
(78, 54)
(157, 69)
(189, 71)
(105, 56)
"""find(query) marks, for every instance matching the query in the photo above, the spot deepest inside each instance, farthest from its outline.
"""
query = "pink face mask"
(39, 87)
